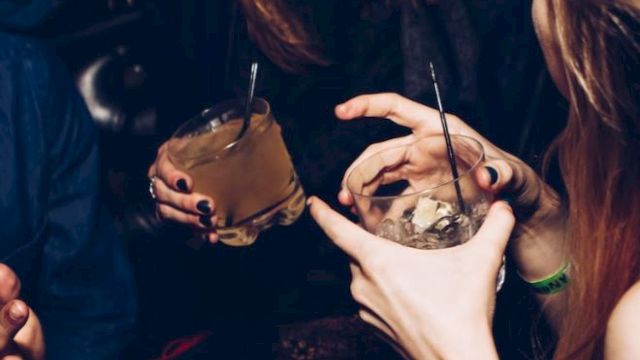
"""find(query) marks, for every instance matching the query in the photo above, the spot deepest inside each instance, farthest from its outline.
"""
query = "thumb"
(345, 234)
(496, 228)
(13, 316)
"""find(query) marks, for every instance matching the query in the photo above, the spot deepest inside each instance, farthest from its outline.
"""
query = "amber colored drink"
(251, 179)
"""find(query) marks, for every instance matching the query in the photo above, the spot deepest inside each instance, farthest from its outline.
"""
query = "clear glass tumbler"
(251, 178)
(408, 194)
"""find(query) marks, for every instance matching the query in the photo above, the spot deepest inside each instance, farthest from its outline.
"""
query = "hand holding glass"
(251, 178)
(407, 193)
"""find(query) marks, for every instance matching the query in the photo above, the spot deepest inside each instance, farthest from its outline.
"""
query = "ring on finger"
(152, 190)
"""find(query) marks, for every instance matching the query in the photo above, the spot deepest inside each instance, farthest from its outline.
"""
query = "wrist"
(538, 247)
(551, 284)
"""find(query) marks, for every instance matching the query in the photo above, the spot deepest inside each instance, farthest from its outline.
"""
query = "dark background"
(159, 62)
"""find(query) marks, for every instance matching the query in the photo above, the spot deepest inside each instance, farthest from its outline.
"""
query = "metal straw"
(248, 105)
(447, 138)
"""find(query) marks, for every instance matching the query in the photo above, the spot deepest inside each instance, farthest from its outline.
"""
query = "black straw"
(447, 138)
(248, 105)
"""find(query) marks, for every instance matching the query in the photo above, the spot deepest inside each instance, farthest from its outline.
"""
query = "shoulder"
(28, 71)
(35, 82)
(623, 327)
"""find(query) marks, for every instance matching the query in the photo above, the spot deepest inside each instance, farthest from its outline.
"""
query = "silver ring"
(152, 190)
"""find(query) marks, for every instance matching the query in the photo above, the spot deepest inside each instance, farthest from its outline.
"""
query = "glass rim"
(461, 174)
(206, 114)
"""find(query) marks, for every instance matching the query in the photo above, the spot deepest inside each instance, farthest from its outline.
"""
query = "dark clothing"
(492, 75)
(23, 14)
(490, 70)
(55, 234)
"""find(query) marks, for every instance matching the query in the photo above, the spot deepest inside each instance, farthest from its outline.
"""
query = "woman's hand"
(537, 245)
(175, 201)
(432, 303)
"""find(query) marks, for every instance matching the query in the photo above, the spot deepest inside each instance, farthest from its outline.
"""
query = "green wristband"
(552, 284)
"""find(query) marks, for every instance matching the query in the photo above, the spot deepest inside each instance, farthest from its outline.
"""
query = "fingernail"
(182, 185)
(205, 220)
(309, 201)
(493, 174)
(17, 312)
(204, 207)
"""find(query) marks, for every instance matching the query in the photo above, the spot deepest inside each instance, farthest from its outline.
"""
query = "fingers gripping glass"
(407, 193)
(251, 178)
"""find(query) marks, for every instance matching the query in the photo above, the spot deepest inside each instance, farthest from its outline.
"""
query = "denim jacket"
(53, 231)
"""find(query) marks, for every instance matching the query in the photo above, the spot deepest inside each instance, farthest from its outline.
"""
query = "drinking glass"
(250, 176)
(408, 194)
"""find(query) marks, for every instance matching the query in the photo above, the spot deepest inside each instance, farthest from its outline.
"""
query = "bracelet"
(551, 284)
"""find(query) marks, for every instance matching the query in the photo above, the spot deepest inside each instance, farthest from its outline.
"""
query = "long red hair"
(599, 149)
(599, 152)
(281, 35)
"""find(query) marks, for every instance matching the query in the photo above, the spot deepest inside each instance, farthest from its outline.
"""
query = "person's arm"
(432, 304)
(621, 339)
(85, 292)
(538, 241)
(540, 252)
(538, 246)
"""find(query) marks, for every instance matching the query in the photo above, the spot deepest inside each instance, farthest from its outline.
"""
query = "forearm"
(540, 251)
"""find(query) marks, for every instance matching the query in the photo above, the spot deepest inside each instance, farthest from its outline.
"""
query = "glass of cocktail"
(250, 176)
(408, 194)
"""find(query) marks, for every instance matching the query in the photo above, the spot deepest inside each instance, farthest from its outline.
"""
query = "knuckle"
(364, 316)
(163, 211)
(371, 149)
(357, 291)
(162, 149)
(161, 171)
(394, 96)
(165, 169)
(373, 264)
(454, 119)
(510, 168)
(186, 202)
(152, 169)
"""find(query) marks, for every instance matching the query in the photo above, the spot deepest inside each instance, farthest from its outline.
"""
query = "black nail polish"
(206, 221)
(182, 185)
(204, 207)
(493, 174)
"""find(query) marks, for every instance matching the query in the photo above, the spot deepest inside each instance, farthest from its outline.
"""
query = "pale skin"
(176, 202)
(406, 316)
(390, 282)
(433, 316)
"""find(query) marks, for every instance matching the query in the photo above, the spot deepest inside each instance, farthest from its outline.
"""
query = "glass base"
(285, 213)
